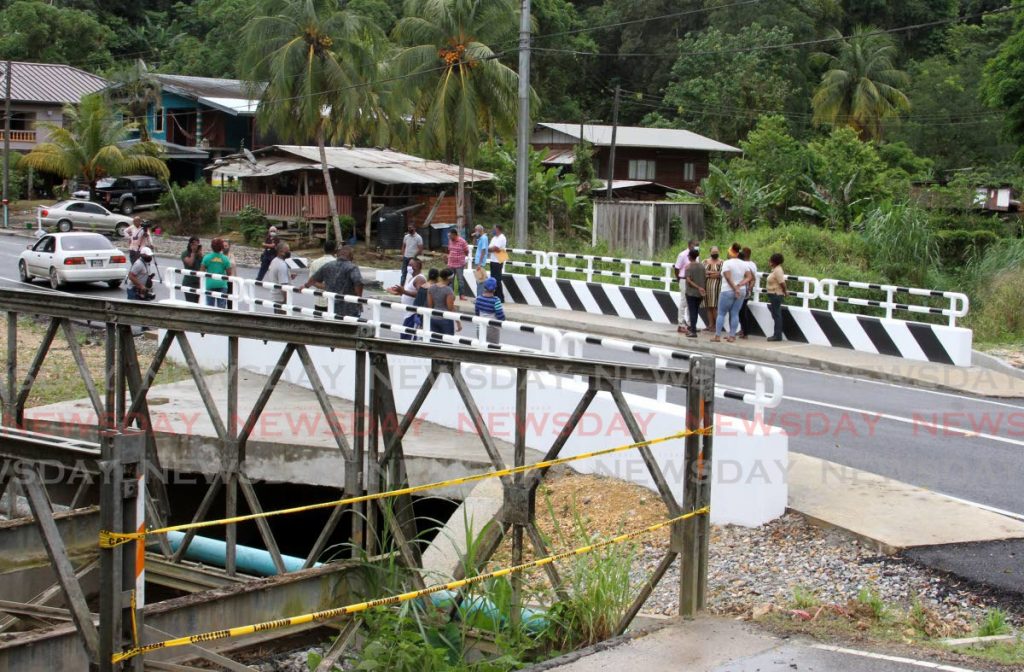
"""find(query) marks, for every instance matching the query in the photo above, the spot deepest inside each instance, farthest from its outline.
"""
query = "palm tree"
(462, 92)
(862, 86)
(312, 62)
(91, 145)
(137, 88)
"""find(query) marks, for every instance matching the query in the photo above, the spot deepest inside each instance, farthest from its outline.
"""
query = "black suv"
(128, 193)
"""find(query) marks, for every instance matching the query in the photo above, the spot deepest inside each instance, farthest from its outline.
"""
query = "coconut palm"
(461, 91)
(137, 88)
(312, 62)
(862, 86)
(92, 144)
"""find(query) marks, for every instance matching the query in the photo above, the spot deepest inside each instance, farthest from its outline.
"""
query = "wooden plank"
(39, 502)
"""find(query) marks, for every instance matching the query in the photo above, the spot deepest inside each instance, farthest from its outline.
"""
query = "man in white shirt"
(412, 247)
(682, 261)
(498, 257)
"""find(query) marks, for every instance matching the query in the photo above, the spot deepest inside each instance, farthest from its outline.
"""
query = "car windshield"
(105, 182)
(85, 242)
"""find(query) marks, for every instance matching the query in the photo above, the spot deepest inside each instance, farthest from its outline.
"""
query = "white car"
(83, 216)
(63, 258)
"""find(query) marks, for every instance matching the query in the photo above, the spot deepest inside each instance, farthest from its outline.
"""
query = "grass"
(59, 378)
(917, 628)
(804, 598)
(995, 623)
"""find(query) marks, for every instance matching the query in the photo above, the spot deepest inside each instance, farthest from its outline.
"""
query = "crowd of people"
(725, 287)
(440, 288)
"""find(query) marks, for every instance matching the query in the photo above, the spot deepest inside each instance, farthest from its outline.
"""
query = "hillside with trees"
(845, 110)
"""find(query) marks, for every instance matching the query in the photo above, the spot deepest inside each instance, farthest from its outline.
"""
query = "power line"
(788, 45)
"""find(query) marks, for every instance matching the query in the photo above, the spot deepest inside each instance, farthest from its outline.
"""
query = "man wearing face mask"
(279, 273)
(140, 279)
(682, 261)
(713, 285)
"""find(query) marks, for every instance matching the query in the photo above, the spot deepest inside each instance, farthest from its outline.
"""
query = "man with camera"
(138, 238)
(140, 279)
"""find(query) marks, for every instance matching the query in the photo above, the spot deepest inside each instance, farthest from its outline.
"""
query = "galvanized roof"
(52, 83)
(638, 136)
(384, 166)
(211, 87)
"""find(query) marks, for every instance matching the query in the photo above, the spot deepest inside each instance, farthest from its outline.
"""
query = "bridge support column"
(122, 581)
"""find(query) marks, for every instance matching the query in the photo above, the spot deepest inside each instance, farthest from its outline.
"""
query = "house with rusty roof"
(646, 159)
(381, 189)
(39, 92)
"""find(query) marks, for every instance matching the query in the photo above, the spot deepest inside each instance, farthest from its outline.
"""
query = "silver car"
(83, 216)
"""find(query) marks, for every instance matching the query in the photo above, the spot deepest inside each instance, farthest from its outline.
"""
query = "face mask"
(714, 256)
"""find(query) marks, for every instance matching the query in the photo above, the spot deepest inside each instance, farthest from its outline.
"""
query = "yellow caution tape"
(111, 539)
(331, 614)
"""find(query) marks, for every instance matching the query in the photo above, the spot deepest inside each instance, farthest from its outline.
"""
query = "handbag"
(502, 256)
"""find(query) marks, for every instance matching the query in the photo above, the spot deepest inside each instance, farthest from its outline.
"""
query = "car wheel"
(64, 225)
(114, 284)
(55, 282)
(23, 272)
(120, 229)
(127, 206)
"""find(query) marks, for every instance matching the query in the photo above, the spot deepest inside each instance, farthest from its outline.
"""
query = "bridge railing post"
(122, 582)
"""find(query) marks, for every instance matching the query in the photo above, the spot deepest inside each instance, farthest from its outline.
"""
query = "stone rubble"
(751, 569)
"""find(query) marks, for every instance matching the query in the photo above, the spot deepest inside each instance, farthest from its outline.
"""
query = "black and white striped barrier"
(916, 341)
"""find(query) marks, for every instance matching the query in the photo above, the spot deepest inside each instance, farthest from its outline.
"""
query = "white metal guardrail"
(767, 383)
(823, 290)
(959, 304)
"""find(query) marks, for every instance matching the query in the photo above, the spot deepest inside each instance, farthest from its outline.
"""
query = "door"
(100, 219)
(79, 216)
(42, 255)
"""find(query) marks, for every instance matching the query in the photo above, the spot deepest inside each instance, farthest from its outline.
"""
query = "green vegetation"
(804, 598)
(194, 207)
(995, 623)
(252, 224)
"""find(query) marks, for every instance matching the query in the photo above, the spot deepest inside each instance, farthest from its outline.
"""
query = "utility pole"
(7, 137)
(524, 130)
(615, 130)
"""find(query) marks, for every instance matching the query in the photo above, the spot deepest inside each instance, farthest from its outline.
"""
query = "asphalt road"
(913, 435)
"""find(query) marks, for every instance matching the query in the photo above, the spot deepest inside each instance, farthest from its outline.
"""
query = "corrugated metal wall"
(643, 228)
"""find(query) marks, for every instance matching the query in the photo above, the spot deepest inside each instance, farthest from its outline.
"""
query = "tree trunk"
(551, 229)
(332, 205)
(460, 199)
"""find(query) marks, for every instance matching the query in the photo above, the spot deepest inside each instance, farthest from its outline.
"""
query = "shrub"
(997, 309)
(198, 206)
(902, 242)
(253, 224)
(958, 247)
(995, 623)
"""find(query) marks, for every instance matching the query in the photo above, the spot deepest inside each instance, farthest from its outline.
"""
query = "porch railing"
(283, 206)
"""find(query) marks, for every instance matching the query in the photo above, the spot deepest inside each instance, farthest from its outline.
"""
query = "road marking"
(908, 421)
(906, 387)
(891, 659)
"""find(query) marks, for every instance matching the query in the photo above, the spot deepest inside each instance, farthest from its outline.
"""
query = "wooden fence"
(643, 228)
(284, 207)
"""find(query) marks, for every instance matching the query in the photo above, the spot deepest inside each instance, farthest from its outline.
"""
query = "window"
(44, 245)
(23, 121)
(158, 120)
(76, 207)
(85, 242)
(91, 209)
(689, 172)
(641, 169)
